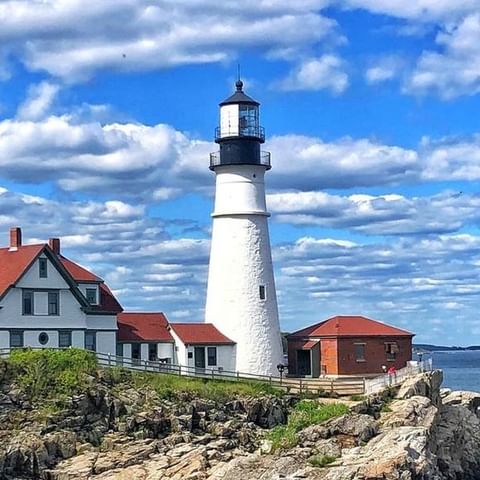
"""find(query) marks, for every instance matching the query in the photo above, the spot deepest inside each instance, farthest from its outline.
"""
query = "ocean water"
(461, 369)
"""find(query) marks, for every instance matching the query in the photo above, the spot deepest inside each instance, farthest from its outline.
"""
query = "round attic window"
(43, 338)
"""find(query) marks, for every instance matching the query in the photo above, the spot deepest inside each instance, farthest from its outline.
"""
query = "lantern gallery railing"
(248, 131)
(215, 160)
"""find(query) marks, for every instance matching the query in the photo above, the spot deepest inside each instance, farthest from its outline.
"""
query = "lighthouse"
(241, 296)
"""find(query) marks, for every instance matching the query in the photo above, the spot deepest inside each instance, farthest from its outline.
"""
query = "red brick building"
(347, 345)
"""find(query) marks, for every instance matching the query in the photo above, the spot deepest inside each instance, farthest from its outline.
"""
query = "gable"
(14, 263)
(31, 277)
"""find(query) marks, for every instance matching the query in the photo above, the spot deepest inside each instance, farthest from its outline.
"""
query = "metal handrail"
(265, 160)
(251, 131)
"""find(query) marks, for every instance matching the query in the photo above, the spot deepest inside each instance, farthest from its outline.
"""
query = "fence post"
(331, 385)
(238, 376)
(109, 360)
(300, 386)
(270, 380)
(364, 386)
(180, 370)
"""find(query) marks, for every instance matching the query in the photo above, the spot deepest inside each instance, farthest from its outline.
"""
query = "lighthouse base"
(241, 297)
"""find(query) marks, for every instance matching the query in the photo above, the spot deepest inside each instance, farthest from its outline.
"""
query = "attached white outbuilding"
(202, 346)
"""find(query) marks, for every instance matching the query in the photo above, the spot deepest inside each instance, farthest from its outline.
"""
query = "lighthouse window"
(263, 292)
(248, 120)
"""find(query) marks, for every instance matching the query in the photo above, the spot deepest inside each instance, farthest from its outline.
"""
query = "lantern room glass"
(248, 121)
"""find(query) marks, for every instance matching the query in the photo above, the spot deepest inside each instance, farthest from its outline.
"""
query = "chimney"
(15, 238)
(54, 244)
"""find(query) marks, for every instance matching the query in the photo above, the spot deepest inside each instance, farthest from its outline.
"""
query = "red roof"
(79, 273)
(309, 345)
(14, 263)
(108, 302)
(142, 326)
(200, 334)
(350, 326)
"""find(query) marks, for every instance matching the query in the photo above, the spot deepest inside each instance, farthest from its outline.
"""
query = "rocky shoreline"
(106, 433)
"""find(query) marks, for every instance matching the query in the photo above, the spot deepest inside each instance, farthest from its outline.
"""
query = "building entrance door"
(199, 357)
(304, 364)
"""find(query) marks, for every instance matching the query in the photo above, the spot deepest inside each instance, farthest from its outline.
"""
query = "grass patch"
(170, 386)
(357, 398)
(321, 460)
(304, 414)
(386, 408)
(52, 374)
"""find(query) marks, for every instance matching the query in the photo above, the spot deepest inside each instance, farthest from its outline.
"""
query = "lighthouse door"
(199, 357)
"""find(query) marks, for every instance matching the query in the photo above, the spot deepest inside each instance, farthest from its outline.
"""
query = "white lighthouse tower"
(241, 297)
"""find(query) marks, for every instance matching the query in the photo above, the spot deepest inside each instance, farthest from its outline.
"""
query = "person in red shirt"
(392, 375)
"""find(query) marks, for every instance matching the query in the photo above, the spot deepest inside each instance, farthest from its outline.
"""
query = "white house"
(201, 345)
(46, 300)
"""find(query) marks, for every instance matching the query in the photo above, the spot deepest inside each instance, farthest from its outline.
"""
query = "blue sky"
(107, 113)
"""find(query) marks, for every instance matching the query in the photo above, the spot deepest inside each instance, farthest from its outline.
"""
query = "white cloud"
(377, 215)
(454, 69)
(39, 101)
(451, 159)
(86, 156)
(420, 10)
(100, 158)
(74, 39)
(403, 281)
(308, 163)
(323, 73)
(383, 70)
(144, 266)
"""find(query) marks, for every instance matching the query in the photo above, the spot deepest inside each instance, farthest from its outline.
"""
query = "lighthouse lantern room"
(241, 295)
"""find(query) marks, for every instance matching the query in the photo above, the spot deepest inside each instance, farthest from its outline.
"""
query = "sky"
(107, 118)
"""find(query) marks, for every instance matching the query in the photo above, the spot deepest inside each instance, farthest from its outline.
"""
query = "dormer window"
(91, 294)
(42, 267)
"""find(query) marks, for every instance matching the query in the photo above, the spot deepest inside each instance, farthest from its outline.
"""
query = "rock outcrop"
(107, 434)
(415, 437)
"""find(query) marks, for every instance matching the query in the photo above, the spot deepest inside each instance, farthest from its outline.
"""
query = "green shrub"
(304, 414)
(321, 460)
(50, 373)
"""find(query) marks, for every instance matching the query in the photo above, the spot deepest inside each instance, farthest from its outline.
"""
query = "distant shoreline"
(427, 348)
